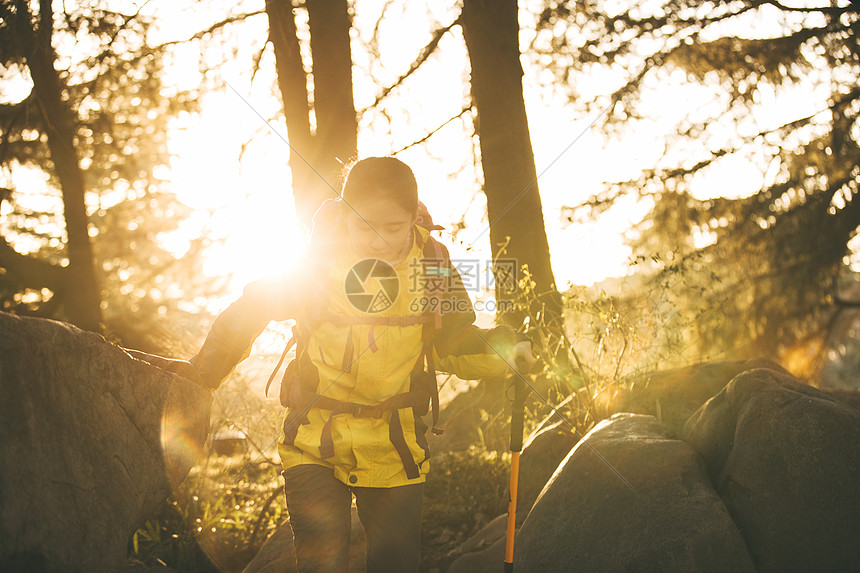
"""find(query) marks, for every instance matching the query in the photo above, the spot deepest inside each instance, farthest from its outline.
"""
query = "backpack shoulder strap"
(290, 344)
(437, 263)
(436, 266)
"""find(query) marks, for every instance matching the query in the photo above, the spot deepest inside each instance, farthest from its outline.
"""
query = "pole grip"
(517, 414)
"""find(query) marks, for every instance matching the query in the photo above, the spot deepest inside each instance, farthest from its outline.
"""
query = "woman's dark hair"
(381, 178)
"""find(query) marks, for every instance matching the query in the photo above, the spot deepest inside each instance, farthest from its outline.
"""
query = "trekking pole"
(517, 415)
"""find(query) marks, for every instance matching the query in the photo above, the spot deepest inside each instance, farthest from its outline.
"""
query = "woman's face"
(379, 229)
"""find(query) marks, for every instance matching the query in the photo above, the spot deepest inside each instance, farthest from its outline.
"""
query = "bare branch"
(258, 57)
(373, 45)
(832, 10)
(423, 56)
(432, 133)
(211, 29)
(126, 21)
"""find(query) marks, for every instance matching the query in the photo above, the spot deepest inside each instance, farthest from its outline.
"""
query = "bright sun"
(246, 206)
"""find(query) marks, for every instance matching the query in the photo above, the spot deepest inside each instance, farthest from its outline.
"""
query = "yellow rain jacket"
(353, 361)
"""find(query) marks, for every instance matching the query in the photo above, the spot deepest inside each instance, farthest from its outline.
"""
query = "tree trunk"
(491, 30)
(334, 107)
(80, 292)
(317, 155)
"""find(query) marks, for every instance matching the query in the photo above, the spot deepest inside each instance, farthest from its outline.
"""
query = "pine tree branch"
(28, 272)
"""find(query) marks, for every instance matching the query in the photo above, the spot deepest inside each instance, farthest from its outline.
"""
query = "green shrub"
(217, 520)
(464, 491)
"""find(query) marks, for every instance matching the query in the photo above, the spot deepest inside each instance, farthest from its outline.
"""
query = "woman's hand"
(180, 367)
(186, 370)
(522, 357)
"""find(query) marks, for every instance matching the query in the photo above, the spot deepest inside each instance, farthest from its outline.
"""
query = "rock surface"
(588, 519)
(91, 442)
(464, 419)
(785, 458)
(849, 397)
(484, 551)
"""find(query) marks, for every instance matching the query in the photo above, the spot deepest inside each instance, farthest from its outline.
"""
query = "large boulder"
(91, 442)
(278, 553)
(674, 395)
(542, 453)
(785, 458)
(630, 498)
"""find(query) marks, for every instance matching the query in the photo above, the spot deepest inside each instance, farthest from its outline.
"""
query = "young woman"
(379, 307)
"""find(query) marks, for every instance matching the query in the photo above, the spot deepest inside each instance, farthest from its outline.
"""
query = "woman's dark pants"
(319, 507)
